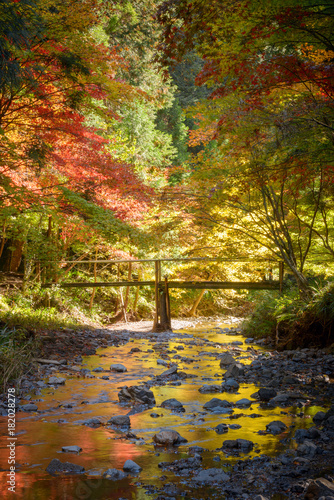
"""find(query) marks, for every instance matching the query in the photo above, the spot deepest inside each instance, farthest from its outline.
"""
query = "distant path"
(177, 324)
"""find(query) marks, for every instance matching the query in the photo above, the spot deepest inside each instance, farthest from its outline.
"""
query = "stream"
(63, 409)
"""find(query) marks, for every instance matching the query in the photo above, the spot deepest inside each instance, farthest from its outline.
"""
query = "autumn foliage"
(56, 77)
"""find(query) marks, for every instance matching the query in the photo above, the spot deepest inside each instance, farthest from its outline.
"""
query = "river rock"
(57, 380)
(195, 449)
(114, 474)
(265, 394)
(319, 487)
(29, 407)
(56, 466)
(118, 368)
(221, 428)
(302, 434)
(135, 349)
(98, 369)
(236, 370)
(120, 420)
(230, 385)
(138, 394)
(240, 444)
(162, 362)
(131, 466)
(280, 399)
(308, 449)
(92, 422)
(209, 389)
(209, 476)
(319, 417)
(167, 373)
(290, 380)
(243, 403)
(173, 404)
(167, 437)
(71, 449)
(276, 427)
(215, 403)
(226, 359)
(329, 413)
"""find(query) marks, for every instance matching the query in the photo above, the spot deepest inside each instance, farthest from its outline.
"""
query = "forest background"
(142, 129)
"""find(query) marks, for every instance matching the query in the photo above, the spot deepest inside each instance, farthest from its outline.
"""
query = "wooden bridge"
(162, 318)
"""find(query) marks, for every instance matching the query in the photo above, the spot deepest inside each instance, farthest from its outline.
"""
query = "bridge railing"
(162, 318)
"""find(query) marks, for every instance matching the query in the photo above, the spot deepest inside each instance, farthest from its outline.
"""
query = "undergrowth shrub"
(292, 322)
(17, 349)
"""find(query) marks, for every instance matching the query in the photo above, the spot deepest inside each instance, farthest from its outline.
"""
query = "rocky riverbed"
(201, 412)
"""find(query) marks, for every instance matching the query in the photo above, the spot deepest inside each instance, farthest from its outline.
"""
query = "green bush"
(292, 321)
(16, 352)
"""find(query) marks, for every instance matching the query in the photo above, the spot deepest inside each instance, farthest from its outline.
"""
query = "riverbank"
(289, 409)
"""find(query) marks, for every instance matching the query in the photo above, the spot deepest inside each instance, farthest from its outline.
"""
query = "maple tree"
(266, 170)
(53, 158)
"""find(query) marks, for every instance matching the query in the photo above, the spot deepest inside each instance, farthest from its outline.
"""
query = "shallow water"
(40, 436)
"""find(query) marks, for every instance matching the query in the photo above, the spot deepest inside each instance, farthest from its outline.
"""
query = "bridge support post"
(165, 319)
(162, 319)
(157, 298)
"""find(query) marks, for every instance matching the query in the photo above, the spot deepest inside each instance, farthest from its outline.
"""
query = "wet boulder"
(302, 434)
(166, 437)
(217, 403)
(265, 394)
(131, 466)
(243, 403)
(58, 467)
(162, 362)
(29, 407)
(57, 380)
(221, 428)
(319, 417)
(71, 449)
(238, 444)
(308, 449)
(173, 404)
(210, 476)
(209, 389)
(276, 427)
(226, 359)
(138, 394)
(120, 421)
(118, 368)
(92, 422)
(236, 370)
(195, 449)
(114, 474)
(230, 385)
(167, 373)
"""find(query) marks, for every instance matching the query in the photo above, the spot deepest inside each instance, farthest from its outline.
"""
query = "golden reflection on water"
(42, 435)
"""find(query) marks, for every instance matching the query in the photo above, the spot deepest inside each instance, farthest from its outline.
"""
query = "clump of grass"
(39, 318)
(16, 354)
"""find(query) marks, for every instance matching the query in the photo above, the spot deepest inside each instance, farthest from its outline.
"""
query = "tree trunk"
(192, 311)
(13, 256)
(94, 289)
